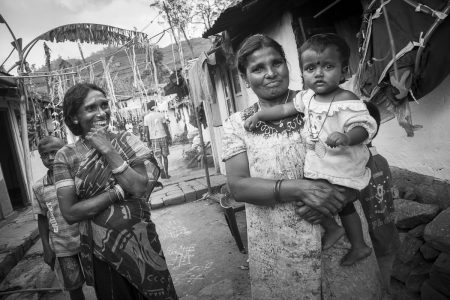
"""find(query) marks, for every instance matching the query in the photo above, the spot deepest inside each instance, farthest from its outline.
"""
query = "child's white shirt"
(343, 165)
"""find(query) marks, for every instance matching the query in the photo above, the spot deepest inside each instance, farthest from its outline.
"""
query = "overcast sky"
(30, 18)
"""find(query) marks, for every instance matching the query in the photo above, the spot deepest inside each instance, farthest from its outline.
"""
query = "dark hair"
(73, 100)
(320, 42)
(49, 139)
(151, 104)
(252, 44)
(374, 113)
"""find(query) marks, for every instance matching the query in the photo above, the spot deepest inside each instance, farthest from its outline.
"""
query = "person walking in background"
(60, 241)
(158, 136)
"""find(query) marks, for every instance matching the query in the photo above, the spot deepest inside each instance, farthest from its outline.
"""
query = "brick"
(190, 196)
(174, 199)
(156, 203)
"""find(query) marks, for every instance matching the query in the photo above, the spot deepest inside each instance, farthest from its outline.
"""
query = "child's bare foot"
(331, 237)
(356, 254)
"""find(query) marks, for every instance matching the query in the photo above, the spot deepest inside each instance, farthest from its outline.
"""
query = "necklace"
(315, 143)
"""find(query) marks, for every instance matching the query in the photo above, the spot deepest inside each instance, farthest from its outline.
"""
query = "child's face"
(48, 153)
(322, 71)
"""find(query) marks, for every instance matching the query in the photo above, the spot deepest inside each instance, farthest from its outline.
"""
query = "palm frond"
(92, 33)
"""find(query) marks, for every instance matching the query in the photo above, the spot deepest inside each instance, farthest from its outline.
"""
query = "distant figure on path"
(158, 137)
(60, 241)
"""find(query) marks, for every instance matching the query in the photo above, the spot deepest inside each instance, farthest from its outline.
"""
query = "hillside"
(120, 67)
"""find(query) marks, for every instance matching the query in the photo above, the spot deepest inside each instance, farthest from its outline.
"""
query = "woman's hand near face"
(322, 196)
(99, 138)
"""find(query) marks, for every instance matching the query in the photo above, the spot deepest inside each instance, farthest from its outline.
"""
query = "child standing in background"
(337, 127)
(378, 205)
(60, 240)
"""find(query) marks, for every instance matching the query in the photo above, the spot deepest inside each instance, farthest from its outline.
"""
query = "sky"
(30, 18)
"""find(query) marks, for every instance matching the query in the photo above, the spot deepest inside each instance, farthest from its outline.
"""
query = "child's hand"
(49, 258)
(337, 139)
(250, 123)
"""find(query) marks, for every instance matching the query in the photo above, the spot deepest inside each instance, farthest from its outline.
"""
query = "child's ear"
(345, 73)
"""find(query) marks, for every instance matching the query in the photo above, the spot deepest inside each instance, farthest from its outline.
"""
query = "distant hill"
(120, 67)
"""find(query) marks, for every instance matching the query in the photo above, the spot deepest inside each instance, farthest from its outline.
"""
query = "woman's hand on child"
(250, 123)
(336, 139)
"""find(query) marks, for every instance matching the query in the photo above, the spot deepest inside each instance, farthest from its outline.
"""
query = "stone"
(156, 203)
(395, 192)
(427, 292)
(401, 271)
(409, 214)
(442, 263)
(417, 276)
(437, 232)
(440, 281)
(409, 194)
(190, 196)
(174, 199)
(417, 232)
(428, 252)
(409, 247)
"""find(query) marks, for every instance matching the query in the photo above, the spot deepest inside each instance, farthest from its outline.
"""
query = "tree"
(207, 11)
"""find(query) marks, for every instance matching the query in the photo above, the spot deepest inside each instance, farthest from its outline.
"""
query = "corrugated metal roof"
(244, 15)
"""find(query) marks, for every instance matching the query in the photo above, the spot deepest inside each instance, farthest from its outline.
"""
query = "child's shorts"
(69, 272)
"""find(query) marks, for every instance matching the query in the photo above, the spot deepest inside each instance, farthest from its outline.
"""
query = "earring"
(247, 85)
(75, 122)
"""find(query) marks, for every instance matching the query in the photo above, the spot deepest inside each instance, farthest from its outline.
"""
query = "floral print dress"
(285, 256)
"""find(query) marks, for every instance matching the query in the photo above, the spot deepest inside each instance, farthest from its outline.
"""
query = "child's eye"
(277, 63)
(257, 70)
(309, 68)
(105, 105)
(329, 67)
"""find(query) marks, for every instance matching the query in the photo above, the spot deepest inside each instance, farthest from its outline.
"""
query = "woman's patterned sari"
(123, 234)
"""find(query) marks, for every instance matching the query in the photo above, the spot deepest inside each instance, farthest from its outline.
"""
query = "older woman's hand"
(323, 196)
(309, 214)
(99, 138)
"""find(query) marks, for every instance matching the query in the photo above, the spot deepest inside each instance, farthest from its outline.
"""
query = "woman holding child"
(103, 182)
(265, 169)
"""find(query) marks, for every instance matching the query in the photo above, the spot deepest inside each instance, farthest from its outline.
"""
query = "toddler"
(337, 127)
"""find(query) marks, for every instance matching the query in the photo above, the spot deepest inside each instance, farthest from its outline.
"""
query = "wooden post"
(25, 143)
(205, 162)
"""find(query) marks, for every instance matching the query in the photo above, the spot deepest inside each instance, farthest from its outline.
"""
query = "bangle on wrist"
(119, 192)
(276, 191)
(120, 169)
(111, 200)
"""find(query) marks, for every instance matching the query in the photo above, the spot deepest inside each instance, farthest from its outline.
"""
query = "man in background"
(158, 136)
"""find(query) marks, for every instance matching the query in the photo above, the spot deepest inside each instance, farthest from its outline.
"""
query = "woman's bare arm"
(319, 195)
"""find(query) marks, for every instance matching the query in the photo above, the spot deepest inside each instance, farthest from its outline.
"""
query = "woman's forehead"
(94, 96)
(263, 54)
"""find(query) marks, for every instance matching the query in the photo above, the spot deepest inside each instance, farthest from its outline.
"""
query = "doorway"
(9, 161)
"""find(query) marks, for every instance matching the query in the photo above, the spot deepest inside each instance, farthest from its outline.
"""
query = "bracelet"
(276, 191)
(120, 169)
(109, 195)
(119, 192)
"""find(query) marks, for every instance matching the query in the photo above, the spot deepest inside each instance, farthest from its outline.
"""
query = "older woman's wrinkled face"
(94, 112)
(267, 74)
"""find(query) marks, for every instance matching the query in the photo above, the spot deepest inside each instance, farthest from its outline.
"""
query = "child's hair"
(49, 139)
(374, 113)
(320, 42)
(254, 43)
